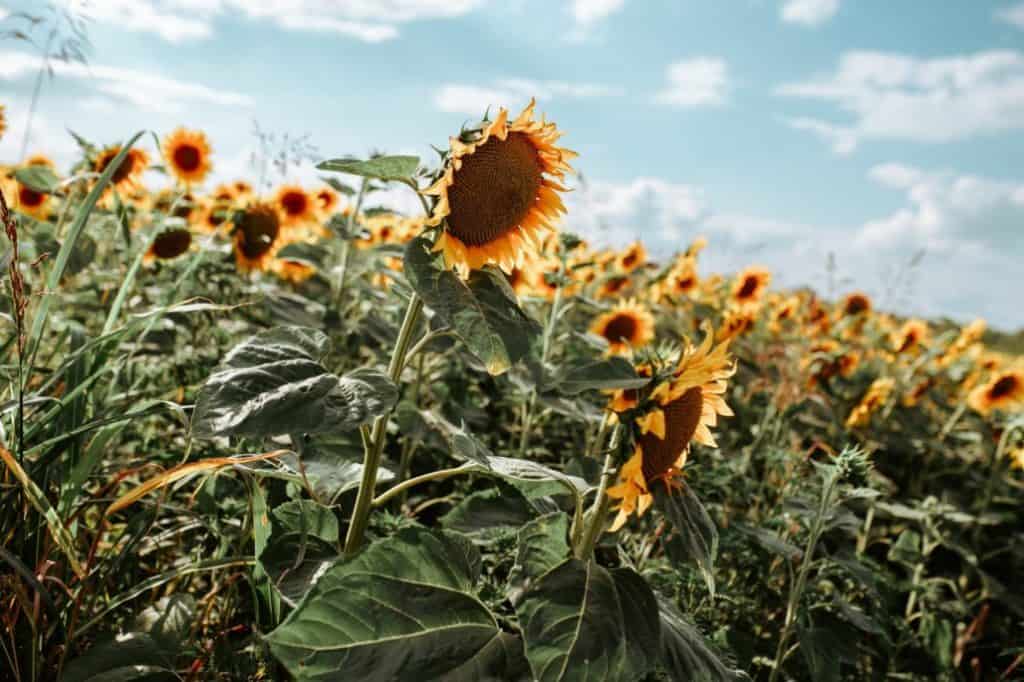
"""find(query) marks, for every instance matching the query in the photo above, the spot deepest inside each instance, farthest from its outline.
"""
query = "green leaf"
(38, 178)
(272, 384)
(306, 516)
(167, 620)
(685, 654)
(605, 375)
(132, 656)
(502, 658)
(543, 544)
(402, 609)
(697, 535)
(381, 167)
(484, 313)
(583, 622)
(487, 511)
(769, 541)
(293, 561)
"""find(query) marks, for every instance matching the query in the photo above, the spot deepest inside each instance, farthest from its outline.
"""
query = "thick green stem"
(797, 591)
(595, 520)
(375, 444)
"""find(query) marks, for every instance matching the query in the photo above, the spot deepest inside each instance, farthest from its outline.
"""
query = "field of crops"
(291, 434)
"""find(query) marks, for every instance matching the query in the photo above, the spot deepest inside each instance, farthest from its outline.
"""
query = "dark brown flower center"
(494, 189)
(682, 417)
(124, 171)
(857, 304)
(171, 244)
(187, 158)
(630, 259)
(326, 198)
(616, 284)
(1005, 386)
(621, 328)
(748, 289)
(258, 230)
(29, 198)
(294, 203)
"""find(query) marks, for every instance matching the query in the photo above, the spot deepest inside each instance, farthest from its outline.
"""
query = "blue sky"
(783, 130)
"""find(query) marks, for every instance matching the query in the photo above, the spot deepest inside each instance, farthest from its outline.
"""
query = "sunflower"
(827, 359)
(915, 394)
(327, 201)
(496, 192)
(680, 410)
(127, 175)
(381, 228)
(168, 245)
(856, 304)
(613, 286)
(625, 327)
(784, 312)
(187, 153)
(213, 215)
(695, 247)
(40, 160)
(736, 322)
(877, 395)
(750, 285)
(1003, 390)
(293, 270)
(296, 205)
(224, 192)
(968, 338)
(27, 200)
(635, 256)
(680, 282)
(257, 236)
(546, 272)
(912, 335)
(243, 188)
(3, 121)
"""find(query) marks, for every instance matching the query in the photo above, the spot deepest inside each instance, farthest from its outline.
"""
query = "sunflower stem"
(404, 486)
(346, 247)
(375, 444)
(595, 520)
(549, 328)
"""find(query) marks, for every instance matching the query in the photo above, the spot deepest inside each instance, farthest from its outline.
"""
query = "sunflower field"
(292, 434)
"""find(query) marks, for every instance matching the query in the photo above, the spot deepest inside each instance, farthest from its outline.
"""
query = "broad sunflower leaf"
(605, 375)
(502, 658)
(380, 168)
(489, 511)
(484, 312)
(685, 653)
(402, 609)
(543, 544)
(581, 621)
(293, 562)
(132, 656)
(309, 517)
(38, 178)
(273, 383)
(697, 538)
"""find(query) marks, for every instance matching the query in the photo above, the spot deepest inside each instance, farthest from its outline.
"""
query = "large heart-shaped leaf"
(685, 654)
(483, 312)
(697, 538)
(273, 383)
(403, 609)
(380, 167)
(582, 622)
(133, 656)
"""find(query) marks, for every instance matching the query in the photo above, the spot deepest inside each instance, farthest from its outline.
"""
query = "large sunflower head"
(750, 285)
(257, 236)
(625, 327)
(498, 191)
(680, 409)
(127, 175)
(1003, 391)
(187, 154)
(168, 245)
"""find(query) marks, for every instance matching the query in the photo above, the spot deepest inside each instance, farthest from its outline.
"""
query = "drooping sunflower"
(1002, 391)
(877, 395)
(633, 257)
(737, 321)
(257, 236)
(168, 245)
(497, 191)
(680, 411)
(187, 154)
(126, 176)
(297, 206)
(750, 285)
(625, 327)
(910, 337)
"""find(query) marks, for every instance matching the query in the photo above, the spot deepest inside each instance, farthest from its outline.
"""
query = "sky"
(791, 133)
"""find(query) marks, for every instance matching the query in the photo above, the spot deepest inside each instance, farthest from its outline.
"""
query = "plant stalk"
(595, 520)
(524, 438)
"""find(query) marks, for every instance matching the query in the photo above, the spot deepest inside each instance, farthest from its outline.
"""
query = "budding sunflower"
(678, 411)
(496, 192)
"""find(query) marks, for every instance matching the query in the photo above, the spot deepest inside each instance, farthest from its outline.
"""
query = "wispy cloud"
(897, 96)
(512, 92)
(588, 12)
(808, 12)
(1013, 15)
(696, 82)
(147, 91)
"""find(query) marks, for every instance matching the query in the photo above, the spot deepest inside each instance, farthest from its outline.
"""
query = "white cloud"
(4, 14)
(181, 20)
(149, 92)
(513, 92)
(587, 12)
(808, 12)
(696, 82)
(895, 96)
(1013, 15)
